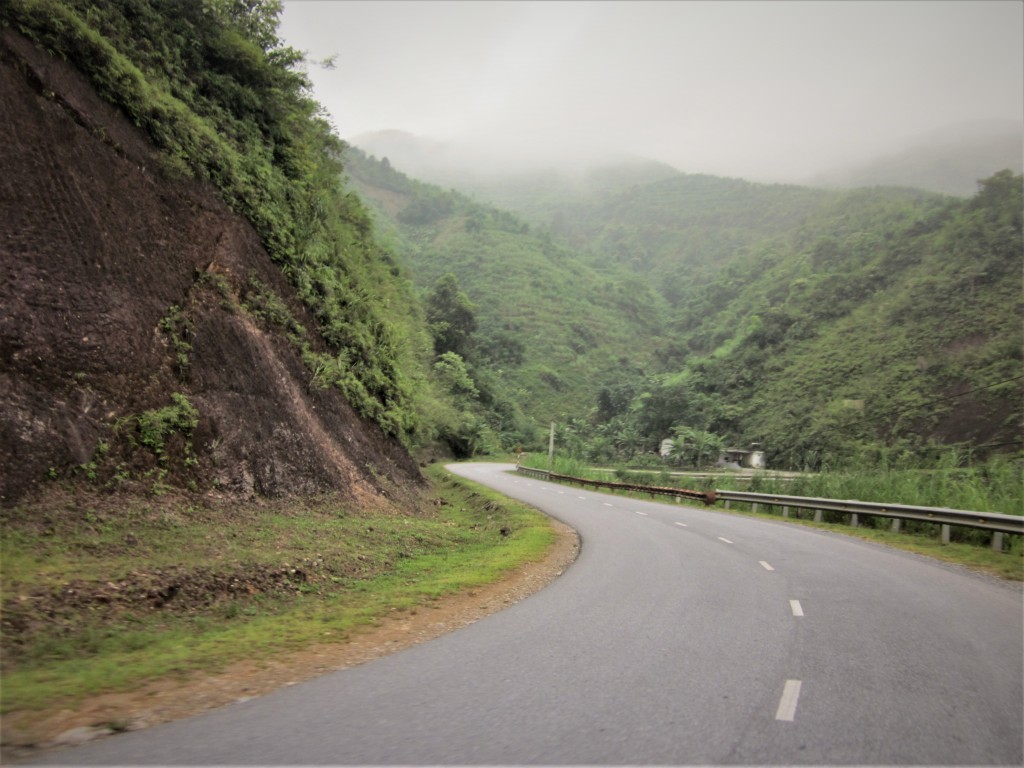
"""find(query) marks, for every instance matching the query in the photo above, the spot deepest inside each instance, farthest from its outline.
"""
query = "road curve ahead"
(680, 636)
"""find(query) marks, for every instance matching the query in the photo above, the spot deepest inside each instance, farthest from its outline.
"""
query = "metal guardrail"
(707, 497)
(989, 521)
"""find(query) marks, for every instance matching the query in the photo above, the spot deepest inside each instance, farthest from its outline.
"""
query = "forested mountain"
(823, 324)
(531, 191)
(883, 320)
(549, 326)
(948, 160)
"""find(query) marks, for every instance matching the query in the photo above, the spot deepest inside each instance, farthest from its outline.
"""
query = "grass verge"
(998, 480)
(102, 598)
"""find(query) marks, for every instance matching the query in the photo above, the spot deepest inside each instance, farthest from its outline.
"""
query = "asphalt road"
(680, 636)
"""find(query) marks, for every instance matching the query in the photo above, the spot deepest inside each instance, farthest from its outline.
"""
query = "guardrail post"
(896, 525)
(997, 541)
(817, 515)
(726, 503)
(853, 519)
(785, 511)
(945, 534)
(753, 508)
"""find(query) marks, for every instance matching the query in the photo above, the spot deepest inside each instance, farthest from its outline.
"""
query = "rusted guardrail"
(997, 523)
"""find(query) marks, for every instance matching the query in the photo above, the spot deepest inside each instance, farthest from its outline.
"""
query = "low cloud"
(765, 90)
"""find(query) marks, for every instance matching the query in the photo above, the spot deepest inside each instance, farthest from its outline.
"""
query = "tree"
(451, 371)
(614, 401)
(452, 318)
(695, 447)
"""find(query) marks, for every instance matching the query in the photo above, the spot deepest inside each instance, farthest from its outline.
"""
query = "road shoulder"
(27, 733)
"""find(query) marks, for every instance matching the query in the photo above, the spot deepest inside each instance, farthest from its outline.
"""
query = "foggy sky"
(769, 91)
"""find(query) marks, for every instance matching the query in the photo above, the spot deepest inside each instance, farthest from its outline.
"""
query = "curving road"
(679, 636)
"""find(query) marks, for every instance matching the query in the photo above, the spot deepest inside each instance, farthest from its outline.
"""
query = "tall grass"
(995, 486)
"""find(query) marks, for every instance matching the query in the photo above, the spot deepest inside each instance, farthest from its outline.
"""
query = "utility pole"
(551, 448)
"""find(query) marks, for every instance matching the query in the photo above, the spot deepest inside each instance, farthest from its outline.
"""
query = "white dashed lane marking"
(681, 525)
(796, 607)
(720, 538)
(766, 566)
(787, 705)
(640, 513)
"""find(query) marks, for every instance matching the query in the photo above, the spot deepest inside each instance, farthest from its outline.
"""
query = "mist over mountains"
(949, 160)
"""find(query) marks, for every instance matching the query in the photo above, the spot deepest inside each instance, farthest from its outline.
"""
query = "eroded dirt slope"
(98, 245)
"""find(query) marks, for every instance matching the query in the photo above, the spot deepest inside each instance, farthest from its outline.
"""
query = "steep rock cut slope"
(122, 295)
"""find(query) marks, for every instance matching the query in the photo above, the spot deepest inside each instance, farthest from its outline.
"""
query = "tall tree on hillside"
(452, 318)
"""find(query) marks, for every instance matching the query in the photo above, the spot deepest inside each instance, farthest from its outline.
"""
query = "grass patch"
(104, 600)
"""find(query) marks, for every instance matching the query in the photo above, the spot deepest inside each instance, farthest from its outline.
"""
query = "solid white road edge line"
(787, 705)
(796, 607)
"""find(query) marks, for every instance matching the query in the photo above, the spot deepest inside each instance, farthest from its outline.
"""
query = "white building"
(749, 459)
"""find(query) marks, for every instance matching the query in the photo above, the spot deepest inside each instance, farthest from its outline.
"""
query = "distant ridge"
(468, 169)
(949, 160)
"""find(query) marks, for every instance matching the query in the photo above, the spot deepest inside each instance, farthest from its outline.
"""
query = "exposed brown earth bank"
(122, 289)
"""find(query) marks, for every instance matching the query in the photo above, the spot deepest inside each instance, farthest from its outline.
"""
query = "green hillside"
(579, 327)
(823, 324)
(880, 323)
(683, 228)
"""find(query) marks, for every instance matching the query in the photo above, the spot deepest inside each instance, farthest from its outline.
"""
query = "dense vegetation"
(887, 321)
(831, 327)
(546, 328)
